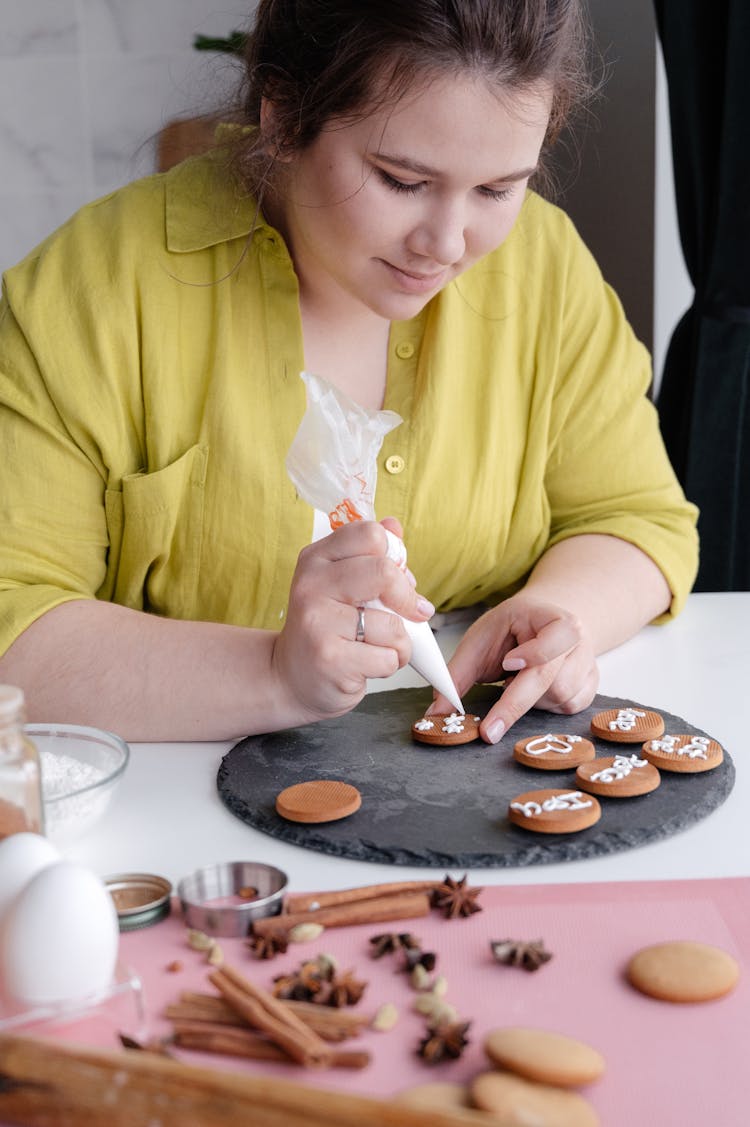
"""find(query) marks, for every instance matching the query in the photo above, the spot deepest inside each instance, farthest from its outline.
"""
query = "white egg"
(22, 856)
(59, 938)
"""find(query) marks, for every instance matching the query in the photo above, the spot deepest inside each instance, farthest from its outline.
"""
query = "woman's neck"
(352, 354)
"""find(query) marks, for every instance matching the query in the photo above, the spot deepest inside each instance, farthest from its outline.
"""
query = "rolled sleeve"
(54, 539)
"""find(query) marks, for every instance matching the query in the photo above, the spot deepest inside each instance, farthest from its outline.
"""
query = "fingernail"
(511, 664)
(425, 607)
(496, 731)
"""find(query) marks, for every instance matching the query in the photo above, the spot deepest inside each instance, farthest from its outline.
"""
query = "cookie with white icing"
(553, 751)
(446, 730)
(627, 725)
(554, 811)
(687, 754)
(618, 776)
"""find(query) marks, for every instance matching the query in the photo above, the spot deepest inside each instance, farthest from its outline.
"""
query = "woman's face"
(380, 214)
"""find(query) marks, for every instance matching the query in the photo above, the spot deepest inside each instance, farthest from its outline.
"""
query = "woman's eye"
(399, 185)
(498, 193)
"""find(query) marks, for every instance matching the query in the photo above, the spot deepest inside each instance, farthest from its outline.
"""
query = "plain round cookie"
(320, 800)
(446, 729)
(554, 811)
(438, 1094)
(554, 751)
(683, 971)
(627, 725)
(687, 754)
(618, 776)
(520, 1103)
(543, 1056)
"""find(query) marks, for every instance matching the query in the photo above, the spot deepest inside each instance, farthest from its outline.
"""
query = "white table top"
(167, 817)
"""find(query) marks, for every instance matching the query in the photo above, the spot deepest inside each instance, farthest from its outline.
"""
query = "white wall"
(84, 86)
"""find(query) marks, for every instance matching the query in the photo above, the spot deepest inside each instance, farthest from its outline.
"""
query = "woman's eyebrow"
(411, 165)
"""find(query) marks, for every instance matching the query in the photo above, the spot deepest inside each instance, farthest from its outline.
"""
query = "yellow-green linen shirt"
(150, 358)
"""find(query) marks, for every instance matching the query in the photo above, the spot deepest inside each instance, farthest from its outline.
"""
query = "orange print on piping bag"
(345, 513)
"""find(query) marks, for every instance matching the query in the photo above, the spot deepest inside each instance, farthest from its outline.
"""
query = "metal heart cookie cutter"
(224, 899)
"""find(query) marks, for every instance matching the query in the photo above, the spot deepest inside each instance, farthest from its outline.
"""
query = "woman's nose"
(441, 235)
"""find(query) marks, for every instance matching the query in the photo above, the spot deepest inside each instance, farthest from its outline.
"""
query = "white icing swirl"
(571, 800)
(620, 769)
(562, 745)
(626, 720)
(695, 748)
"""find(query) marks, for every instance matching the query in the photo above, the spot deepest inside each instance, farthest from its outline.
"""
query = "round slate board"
(447, 807)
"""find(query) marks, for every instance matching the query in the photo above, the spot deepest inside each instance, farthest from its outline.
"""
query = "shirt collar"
(203, 207)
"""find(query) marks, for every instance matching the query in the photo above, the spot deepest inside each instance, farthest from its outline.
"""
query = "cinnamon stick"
(396, 906)
(220, 1014)
(264, 1012)
(326, 1021)
(214, 1038)
(330, 1024)
(312, 901)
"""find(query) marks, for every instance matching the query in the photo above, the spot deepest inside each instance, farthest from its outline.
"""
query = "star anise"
(446, 1041)
(515, 953)
(453, 898)
(270, 943)
(392, 941)
(414, 957)
(303, 985)
(345, 990)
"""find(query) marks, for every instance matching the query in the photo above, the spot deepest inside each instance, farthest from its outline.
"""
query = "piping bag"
(333, 465)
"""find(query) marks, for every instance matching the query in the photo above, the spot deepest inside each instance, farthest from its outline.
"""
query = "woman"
(373, 226)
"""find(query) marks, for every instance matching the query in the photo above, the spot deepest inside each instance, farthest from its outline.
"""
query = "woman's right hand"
(321, 670)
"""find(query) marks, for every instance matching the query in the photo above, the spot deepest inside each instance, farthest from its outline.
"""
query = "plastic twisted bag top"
(333, 457)
(333, 466)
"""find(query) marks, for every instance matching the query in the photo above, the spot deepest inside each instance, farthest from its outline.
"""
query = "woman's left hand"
(543, 645)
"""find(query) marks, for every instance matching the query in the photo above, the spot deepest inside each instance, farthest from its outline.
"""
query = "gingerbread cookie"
(549, 1058)
(618, 776)
(683, 971)
(628, 725)
(687, 754)
(320, 800)
(516, 1102)
(553, 752)
(444, 731)
(554, 811)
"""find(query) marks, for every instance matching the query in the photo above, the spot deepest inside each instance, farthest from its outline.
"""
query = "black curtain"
(704, 400)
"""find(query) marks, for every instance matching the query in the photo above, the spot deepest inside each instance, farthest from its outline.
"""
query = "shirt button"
(405, 350)
(394, 463)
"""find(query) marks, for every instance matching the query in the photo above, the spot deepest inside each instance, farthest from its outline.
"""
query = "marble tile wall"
(85, 86)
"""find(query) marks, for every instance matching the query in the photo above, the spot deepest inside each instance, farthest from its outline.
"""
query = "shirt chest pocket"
(155, 524)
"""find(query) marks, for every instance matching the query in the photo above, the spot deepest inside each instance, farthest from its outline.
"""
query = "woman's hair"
(319, 60)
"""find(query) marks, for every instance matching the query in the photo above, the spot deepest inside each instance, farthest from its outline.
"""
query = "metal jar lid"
(224, 899)
(141, 899)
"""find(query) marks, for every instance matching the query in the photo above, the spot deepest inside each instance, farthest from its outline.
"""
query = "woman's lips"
(415, 283)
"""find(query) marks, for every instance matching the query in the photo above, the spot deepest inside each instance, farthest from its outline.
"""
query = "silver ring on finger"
(360, 634)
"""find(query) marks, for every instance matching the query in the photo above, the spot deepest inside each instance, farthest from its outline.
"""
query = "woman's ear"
(274, 143)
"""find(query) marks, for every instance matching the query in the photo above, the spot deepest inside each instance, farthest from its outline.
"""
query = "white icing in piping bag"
(426, 656)
(428, 661)
(333, 465)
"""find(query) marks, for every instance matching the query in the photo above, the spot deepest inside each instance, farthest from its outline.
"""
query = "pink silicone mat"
(666, 1064)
